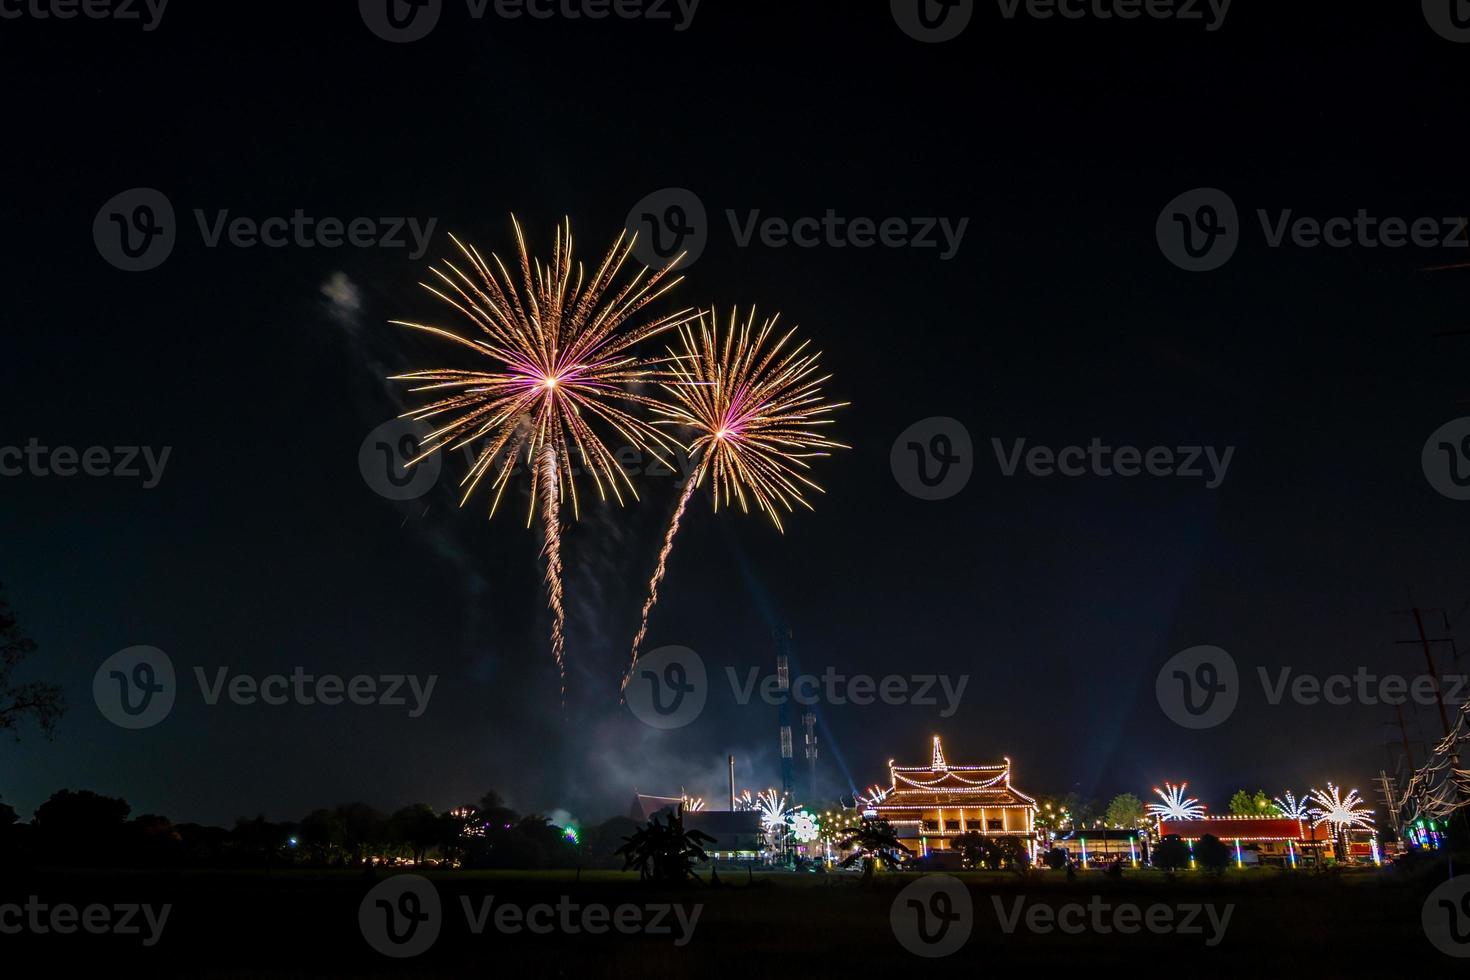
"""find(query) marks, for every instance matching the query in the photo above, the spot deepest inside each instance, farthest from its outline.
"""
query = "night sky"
(1057, 320)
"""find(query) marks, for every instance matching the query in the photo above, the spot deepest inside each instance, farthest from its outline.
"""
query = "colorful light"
(757, 411)
(562, 358)
(1175, 806)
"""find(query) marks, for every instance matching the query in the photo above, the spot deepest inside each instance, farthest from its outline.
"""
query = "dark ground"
(305, 923)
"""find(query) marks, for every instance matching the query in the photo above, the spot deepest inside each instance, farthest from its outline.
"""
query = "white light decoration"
(1175, 806)
(1341, 813)
(1294, 809)
(772, 807)
(803, 825)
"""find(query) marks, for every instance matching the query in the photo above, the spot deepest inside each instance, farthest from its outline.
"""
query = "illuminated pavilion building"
(929, 806)
(1279, 841)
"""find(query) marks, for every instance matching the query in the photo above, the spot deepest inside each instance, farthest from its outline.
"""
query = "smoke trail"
(551, 522)
(658, 572)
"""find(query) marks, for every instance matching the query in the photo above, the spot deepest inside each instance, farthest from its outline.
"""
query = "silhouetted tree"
(665, 853)
(418, 828)
(37, 701)
(1171, 853)
(81, 827)
(1212, 854)
(869, 842)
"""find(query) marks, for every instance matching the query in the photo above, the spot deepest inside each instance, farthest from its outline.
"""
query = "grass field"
(295, 922)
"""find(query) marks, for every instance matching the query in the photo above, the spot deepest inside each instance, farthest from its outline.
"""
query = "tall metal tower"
(809, 723)
(782, 637)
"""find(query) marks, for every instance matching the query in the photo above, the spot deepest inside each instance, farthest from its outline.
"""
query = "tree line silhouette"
(86, 829)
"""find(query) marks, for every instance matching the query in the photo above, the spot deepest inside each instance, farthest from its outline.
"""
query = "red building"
(1269, 840)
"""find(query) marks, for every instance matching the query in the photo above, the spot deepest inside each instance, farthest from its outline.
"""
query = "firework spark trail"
(562, 346)
(551, 523)
(757, 411)
(658, 572)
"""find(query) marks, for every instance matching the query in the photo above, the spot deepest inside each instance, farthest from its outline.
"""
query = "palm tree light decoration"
(1176, 805)
(1342, 814)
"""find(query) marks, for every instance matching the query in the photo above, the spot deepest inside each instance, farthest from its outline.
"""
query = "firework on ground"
(1176, 805)
(754, 401)
(560, 346)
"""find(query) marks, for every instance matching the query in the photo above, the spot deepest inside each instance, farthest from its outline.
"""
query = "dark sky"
(1058, 320)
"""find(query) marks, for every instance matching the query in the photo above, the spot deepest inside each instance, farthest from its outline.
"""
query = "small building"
(739, 834)
(1102, 845)
(929, 806)
(1271, 840)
